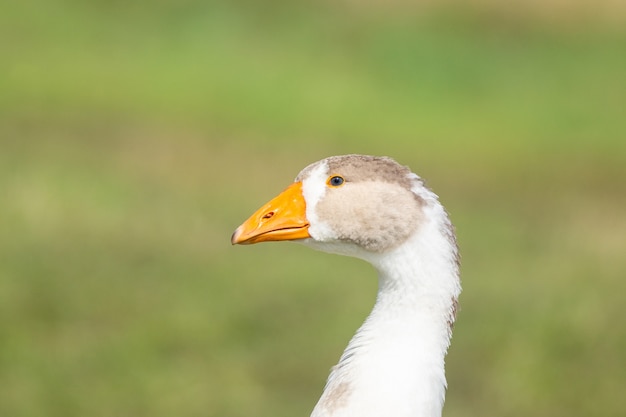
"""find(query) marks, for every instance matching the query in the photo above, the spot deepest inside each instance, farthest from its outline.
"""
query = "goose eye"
(335, 181)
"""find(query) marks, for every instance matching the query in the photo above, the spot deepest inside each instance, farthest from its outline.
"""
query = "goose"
(377, 210)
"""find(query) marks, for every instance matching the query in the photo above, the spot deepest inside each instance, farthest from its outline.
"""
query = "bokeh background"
(135, 136)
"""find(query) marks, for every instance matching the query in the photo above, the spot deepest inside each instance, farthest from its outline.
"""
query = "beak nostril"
(268, 215)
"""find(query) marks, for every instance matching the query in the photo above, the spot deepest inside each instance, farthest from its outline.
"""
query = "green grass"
(134, 139)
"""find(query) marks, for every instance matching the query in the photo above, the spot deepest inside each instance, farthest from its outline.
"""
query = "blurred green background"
(135, 136)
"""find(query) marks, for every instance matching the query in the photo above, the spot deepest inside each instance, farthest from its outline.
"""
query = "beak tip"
(234, 239)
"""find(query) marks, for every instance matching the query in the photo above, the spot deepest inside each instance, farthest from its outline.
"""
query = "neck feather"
(394, 365)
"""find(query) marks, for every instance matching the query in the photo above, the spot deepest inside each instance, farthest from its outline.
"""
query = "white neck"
(394, 365)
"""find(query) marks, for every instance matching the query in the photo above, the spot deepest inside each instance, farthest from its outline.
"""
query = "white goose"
(377, 210)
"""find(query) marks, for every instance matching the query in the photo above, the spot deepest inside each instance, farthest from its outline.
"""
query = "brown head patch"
(375, 207)
(361, 168)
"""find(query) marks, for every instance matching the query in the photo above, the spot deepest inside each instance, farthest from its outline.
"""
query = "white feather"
(394, 365)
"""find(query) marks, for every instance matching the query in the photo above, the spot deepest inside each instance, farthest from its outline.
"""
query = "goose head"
(352, 204)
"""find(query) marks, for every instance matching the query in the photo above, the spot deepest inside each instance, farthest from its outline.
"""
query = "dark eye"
(335, 181)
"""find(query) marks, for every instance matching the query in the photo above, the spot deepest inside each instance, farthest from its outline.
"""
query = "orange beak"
(283, 218)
